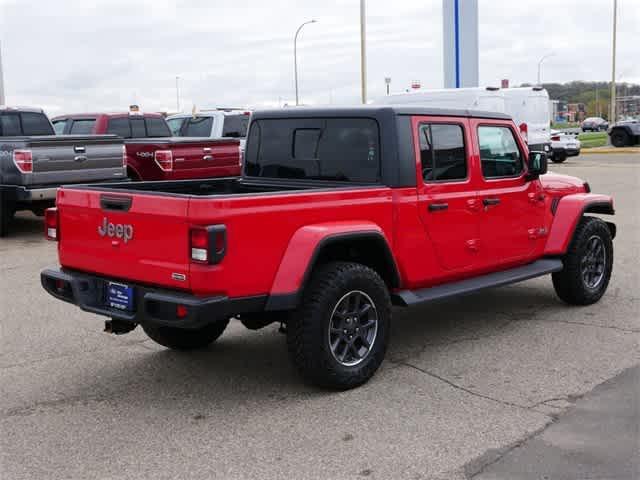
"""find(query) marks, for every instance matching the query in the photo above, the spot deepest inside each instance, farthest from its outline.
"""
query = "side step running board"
(496, 279)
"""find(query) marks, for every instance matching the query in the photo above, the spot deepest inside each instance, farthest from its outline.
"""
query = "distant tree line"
(585, 92)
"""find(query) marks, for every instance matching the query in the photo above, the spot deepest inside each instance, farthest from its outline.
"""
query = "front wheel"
(588, 264)
(620, 138)
(186, 339)
(338, 337)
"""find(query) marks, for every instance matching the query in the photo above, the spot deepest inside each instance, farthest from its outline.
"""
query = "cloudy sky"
(79, 55)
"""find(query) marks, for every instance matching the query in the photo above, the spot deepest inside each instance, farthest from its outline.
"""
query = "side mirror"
(537, 164)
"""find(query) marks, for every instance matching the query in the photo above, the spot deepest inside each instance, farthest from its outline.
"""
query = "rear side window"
(10, 125)
(199, 127)
(58, 126)
(341, 149)
(81, 127)
(119, 126)
(137, 128)
(157, 127)
(499, 152)
(442, 152)
(35, 124)
(175, 125)
(235, 126)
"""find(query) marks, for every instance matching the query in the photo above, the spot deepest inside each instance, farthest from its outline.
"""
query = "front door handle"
(208, 157)
(490, 201)
(434, 207)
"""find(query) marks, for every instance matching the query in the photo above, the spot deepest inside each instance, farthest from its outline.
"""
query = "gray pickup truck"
(625, 133)
(34, 162)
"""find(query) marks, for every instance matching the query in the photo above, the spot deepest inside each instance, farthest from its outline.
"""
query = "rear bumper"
(23, 194)
(150, 306)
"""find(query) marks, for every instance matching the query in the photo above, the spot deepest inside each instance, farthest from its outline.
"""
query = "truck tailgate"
(140, 237)
(76, 159)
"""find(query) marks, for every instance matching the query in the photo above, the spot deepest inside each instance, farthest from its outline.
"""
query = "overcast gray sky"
(79, 55)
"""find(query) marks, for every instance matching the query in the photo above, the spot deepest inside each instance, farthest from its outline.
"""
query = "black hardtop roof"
(373, 111)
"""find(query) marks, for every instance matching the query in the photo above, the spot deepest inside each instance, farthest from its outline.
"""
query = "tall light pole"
(177, 94)
(363, 50)
(295, 57)
(2, 100)
(612, 114)
(540, 64)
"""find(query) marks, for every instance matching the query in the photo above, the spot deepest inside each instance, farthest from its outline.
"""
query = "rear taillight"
(555, 138)
(23, 160)
(208, 244)
(164, 159)
(124, 156)
(524, 131)
(51, 230)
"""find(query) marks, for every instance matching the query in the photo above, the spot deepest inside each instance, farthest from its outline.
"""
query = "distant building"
(576, 112)
(628, 106)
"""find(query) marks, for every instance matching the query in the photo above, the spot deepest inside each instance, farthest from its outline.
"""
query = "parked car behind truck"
(340, 214)
(34, 162)
(152, 153)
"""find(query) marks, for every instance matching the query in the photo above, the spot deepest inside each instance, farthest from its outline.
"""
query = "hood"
(557, 184)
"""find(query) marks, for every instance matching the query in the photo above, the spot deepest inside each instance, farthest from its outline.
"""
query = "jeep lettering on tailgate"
(117, 230)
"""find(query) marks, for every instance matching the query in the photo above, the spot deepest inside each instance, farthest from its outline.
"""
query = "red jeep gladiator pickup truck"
(340, 214)
(152, 153)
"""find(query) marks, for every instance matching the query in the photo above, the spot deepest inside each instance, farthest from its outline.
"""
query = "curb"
(610, 150)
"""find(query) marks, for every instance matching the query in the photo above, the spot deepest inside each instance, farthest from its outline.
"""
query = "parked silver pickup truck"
(34, 162)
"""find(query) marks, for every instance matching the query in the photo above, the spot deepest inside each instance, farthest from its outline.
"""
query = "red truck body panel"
(199, 158)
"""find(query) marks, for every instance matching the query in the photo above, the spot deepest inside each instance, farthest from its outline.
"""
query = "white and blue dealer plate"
(120, 296)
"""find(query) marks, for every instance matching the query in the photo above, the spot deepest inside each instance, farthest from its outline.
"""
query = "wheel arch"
(311, 247)
(568, 212)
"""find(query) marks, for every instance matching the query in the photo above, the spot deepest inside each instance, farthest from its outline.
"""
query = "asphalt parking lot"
(463, 379)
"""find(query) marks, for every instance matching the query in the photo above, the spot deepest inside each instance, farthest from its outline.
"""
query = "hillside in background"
(585, 92)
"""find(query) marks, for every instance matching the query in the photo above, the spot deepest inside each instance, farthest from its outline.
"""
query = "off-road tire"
(569, 283)
(620, 138)
(307, 330)
(186, 339)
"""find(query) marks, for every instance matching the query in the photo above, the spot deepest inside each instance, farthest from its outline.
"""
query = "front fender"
(568, 213)
(304, 246)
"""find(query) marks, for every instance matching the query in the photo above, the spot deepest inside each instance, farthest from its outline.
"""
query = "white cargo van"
(528, 106)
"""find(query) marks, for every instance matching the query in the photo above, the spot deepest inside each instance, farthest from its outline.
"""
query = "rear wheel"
(620, 138)
(587, 264)
(559, 157)
(186, 339)
(6, 216)
(338, 337)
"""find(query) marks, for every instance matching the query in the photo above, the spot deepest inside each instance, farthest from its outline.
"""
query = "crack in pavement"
(460, 387)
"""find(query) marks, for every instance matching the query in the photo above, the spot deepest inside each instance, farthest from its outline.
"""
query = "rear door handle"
(80, 158)
(208, 157)
(490, 201)
(434, 207)
(80, 149)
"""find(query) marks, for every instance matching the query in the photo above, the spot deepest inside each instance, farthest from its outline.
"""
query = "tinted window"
(137, 128)
(58, 126)
(235, 126)
(10, 125)
(119, 126)
(35, 124)
(82, 127)
(345, 149)
(442, 152)
(499, 152)
(175, 124)
(199, 127)
(157, 127)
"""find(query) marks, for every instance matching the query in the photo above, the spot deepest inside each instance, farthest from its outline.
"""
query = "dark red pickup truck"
(152, 154)
(339, 214)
